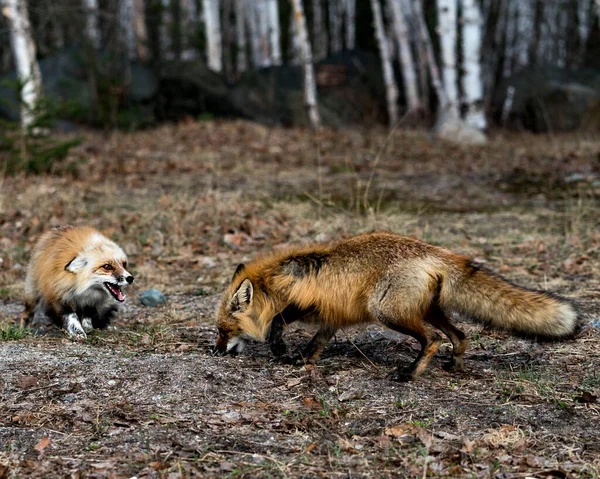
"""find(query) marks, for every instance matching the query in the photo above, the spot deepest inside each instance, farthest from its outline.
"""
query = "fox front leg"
(278, 347)
(73, 326)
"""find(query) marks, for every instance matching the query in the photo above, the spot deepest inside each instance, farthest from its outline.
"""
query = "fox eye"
(125, 264)
(108, 267)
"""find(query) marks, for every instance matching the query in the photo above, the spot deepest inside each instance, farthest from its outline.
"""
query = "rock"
(350, 91)
(152, 298)
(552, 99)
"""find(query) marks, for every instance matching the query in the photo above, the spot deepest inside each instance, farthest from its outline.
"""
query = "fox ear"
(75, 265)
(240, 267)
(242, 298)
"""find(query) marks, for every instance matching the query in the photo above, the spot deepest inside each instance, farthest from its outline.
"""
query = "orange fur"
(402, 282)
(51, 275)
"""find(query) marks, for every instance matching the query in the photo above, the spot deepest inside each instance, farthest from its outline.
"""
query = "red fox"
(75, 277)
(403, 283)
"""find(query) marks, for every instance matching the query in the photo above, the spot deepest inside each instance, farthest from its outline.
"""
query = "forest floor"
(189, 202)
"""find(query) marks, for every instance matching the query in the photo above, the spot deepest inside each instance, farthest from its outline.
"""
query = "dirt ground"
(189, 202)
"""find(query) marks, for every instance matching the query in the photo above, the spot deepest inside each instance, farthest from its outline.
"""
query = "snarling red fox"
(75, 277)
(403, 283)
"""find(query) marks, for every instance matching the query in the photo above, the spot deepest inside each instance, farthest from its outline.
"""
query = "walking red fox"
(403, 283)
(75, 277)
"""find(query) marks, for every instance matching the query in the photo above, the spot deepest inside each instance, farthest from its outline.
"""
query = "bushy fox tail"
(485, 297)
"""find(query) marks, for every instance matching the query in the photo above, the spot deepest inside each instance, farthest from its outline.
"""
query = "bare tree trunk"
(259, 12)
(510, 39)
(409, 74)
(584, 26)
(335, 26)
(274, 32)
(91, 21)
(427, 48)
(255, 34)
(24, 54)
(350, 24)
(525, 28)
(166, 30)
(319, 37)
(240, 34)
(212, 24)
(227, 39)
(447, 18)
(295, 42)
(126, 27)
(471, 80)
(189, 27)
(139, 26)
(310, 87)
(386, 63)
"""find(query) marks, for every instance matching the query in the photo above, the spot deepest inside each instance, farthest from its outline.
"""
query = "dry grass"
(189, 202)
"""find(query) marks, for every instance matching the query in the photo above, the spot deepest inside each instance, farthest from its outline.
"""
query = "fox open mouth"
(115, 290)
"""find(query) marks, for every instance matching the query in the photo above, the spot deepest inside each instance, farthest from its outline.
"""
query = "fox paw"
(87, 325)
(278, 349)
(453, 365)
(73, 327)
(401, 376)
(293, 360)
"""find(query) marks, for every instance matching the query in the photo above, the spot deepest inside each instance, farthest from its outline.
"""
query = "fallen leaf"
(310, 447)
(310, 402)
(26, 382)
(41, 446)
(587, 397)
(467, 446)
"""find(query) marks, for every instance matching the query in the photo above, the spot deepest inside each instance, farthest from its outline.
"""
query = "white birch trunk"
(563, 25)
(126, 27)
(350, 24)
(319, 37)
(212, 23)
(447, 18)
(255, 34)
(335, 26)
(386, 63)
(274, 32)
(189, 25)
(139, 26)
(310, 87)
(240, 34)
(91, 22)
(471, 52)
(525, 29)
(259, 11)
(24, 54)
(295, 42)
(409, 73)
(427, 48)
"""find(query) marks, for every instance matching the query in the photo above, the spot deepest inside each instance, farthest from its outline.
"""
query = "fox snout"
(128, 279)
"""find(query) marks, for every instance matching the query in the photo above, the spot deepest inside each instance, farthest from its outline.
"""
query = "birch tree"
(139, 26)
(319, 36)
(255, 34)
(409, 73)
(91, 22)
(471, 52)
(189, 22)
(391, 88)
(240, 36)
(24, 54)
(274, 32)
(447, 20)
(350, 16)
(335, 26)
(310, 87)
(427, 48)
(212, 25)
(165, 30)
(126, 27)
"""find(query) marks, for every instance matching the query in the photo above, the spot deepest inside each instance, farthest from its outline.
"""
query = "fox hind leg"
(27, 316)
(438, 319)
